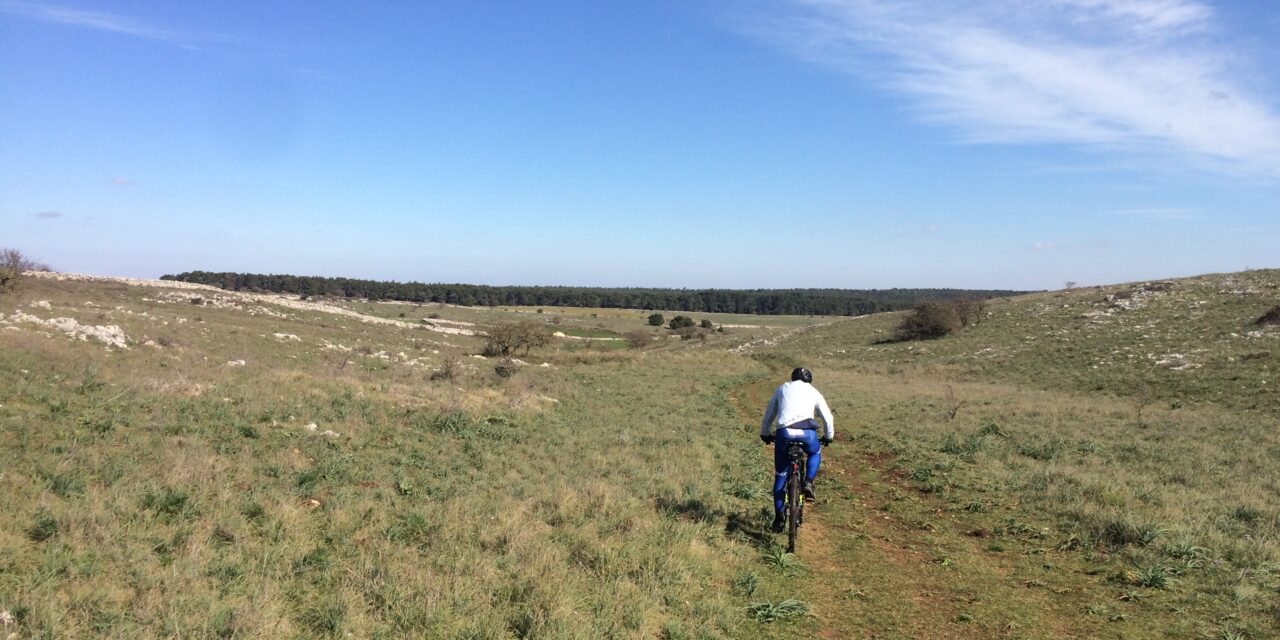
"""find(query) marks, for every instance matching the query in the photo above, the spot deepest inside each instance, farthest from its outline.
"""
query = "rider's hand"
(766, 439)
(826, 442)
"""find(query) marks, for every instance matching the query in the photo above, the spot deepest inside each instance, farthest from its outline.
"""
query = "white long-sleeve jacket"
(795, 401)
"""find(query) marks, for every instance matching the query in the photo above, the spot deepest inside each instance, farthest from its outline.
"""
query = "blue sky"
(823, 143)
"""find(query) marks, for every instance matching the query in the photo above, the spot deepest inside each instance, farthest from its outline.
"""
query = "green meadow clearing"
(1092, 463)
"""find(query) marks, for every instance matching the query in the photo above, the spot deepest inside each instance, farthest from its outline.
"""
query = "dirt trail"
(878, 573)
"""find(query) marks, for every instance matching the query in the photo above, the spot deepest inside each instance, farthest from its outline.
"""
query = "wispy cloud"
(1160, 213)
(1085, 245)
(105, 21)
(1136, 76)
(917, 232)
(48, 215)
(121, 181)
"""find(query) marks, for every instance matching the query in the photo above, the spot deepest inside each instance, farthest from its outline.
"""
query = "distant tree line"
(827, 302)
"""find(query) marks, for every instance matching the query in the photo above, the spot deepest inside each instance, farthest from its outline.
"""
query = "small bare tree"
(508, 338)
(12, 266)
(450, 367)
(639, 338)
(953, 403)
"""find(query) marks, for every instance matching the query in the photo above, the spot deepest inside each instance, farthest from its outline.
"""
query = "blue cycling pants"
(782, 438)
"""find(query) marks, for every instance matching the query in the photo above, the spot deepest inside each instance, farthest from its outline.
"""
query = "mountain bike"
(793, 507)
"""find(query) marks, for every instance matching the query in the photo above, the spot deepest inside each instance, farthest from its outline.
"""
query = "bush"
(970, 311)
(639, 338)
(12, 265)
(929, 320)
(506, 368)
(934, 319)
(450, 368)
(508, 338)
(707, 324)
(680, 322)
(1270, 317)
(656, 319)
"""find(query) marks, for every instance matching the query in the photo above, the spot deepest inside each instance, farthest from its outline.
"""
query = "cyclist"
(792, 408)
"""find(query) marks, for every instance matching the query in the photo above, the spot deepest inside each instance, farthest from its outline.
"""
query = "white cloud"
(1144, 16)
(1044, 246)
(1146, 77)
(121, 181)
(1160, 213)
(109, 22)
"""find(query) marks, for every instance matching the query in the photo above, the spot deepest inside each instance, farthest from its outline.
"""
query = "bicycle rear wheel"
(795, 502)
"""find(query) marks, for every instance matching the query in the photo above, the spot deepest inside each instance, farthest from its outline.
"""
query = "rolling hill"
(179, 460)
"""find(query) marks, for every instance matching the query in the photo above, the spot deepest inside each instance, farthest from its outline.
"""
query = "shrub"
(706, 324)
(934, 319)
(680, 322)
(12, 265)
(970, 311)
(639, 338)
(506, 368)
(450, 368)
(929, 320)
(1270, 317)
(508, 338)
(656, 319)
(687, 333)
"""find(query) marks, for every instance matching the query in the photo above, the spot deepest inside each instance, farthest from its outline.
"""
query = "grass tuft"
(169, 504)
(1156, 576)
(770, 611)
(44, 528)
(787, 563)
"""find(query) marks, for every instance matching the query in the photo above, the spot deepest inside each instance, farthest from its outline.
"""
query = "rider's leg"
(814, 450)
(780, 464)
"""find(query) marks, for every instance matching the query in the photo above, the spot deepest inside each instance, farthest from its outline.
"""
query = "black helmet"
(802, 373)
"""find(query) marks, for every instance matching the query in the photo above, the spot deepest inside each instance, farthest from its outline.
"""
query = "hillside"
(1189, 341)
(1110, 454)
(179, 460)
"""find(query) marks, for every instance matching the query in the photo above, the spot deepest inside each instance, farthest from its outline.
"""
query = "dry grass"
(1081, 442)
(159, 491)
(989, 484)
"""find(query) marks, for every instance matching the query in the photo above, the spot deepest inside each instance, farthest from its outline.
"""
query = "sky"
(1013, 144)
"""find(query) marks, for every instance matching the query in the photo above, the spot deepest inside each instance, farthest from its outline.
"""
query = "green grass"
(1130, 474)
(989, 484)
(158, 491)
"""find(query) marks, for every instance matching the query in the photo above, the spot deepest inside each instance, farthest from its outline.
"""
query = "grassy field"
(1114, 452)
(1087, 463)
